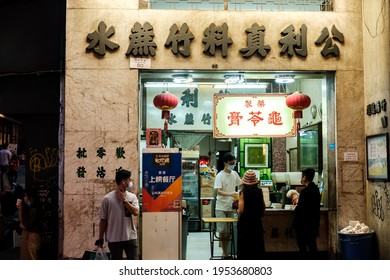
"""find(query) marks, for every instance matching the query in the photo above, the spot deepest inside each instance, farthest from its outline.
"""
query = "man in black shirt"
(307, 216)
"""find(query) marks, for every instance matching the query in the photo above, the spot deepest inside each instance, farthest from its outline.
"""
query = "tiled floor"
(198, 246)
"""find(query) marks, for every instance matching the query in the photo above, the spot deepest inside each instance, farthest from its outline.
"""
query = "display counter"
(279, 235)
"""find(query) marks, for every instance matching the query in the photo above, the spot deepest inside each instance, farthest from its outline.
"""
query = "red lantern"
(165, 101)
(298, 101)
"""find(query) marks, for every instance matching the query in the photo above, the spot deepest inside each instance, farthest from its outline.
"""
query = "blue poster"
(161, 172)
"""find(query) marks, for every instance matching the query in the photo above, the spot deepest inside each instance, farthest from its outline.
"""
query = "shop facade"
(103, 104)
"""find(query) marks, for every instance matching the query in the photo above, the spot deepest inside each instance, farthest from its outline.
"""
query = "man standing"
(307, 216)
(5, 159)
(226, 182)
(116, 219)
(5, 186)
(30, 213)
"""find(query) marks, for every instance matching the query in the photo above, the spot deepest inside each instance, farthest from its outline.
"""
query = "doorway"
(195, 97)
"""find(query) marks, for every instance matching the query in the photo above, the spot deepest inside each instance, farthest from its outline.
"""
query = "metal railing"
(239, 5)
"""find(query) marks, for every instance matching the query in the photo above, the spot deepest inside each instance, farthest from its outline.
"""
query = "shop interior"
(202, 152)
(188, 129)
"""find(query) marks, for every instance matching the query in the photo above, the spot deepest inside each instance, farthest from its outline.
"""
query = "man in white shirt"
(225, 183)
(5, 159)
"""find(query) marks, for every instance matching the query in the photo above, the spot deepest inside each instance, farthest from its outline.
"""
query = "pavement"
(21, 180)
(12, 253)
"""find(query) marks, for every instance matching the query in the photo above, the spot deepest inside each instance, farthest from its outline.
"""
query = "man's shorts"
(223, 228)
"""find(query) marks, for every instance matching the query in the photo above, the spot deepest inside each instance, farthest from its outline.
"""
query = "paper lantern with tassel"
(165, 101)
(298, 101)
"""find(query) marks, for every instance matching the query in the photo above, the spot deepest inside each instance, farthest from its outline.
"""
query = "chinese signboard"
(161, 171)
(216, 38)
(192, 113)
(252, 115)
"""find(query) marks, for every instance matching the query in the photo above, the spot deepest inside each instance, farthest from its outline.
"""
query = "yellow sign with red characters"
(252, 116)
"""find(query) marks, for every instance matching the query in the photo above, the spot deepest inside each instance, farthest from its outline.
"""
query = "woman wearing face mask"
(30, 222)
(116, 219)
(226, 182)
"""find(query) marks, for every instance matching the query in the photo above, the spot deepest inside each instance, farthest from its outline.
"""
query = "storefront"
(107, 103)
(193, 126)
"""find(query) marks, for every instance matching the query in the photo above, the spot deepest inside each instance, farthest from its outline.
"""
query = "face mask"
(130, 186)
(231, 167)
(28, 203)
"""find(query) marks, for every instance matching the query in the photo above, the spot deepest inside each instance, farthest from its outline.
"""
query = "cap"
(250, 178)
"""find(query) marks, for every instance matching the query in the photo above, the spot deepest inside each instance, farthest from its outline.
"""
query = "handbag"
(96, 254)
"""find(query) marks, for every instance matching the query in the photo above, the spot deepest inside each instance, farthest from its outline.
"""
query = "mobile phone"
(127, 212)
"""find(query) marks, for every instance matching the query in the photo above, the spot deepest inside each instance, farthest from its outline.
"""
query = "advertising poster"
(161, 172)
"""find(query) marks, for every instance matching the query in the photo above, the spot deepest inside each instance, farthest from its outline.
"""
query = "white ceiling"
(218, 76)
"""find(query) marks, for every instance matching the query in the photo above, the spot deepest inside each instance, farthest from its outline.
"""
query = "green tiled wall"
(265, 173)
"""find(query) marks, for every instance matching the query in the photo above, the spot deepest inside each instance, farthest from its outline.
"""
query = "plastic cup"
(18, 202)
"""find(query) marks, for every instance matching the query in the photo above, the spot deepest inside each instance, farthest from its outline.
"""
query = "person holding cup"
(294, 196)
(30, 222)
(19, 202)
(225, 184)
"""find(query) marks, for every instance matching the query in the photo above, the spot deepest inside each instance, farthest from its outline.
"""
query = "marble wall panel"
(91, 143)
(377, 87)
(350, 137)
(347, 6)
(350, 115)
(101, 111)
(81, 224)
(101, 100)
(351, 193)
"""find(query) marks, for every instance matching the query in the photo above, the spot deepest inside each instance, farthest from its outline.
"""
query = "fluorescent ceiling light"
(234, 79)
(182, 78)
(169, 85)
(259, 85)
(284, 79)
